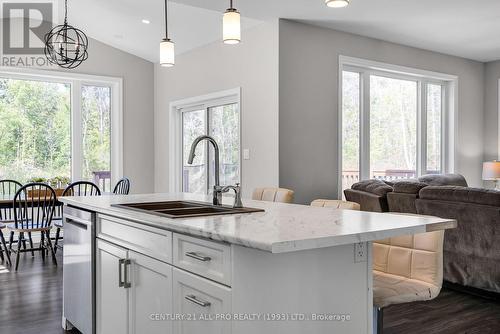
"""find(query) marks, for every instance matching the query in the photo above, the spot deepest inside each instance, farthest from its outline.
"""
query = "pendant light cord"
(65, 12)
(166, 19)
(230, 4)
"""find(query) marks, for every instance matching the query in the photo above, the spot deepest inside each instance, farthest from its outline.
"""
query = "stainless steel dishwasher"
(78, 270)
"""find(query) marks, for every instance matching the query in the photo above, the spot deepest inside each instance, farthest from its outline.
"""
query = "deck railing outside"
(102, 179)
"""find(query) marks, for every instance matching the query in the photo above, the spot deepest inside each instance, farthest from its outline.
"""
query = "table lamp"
(491, 172)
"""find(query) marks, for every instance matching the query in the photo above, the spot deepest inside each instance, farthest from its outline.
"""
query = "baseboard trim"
(472, 291)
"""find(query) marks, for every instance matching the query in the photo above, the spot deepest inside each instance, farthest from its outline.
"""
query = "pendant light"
(337, 3)
(231, 26)
(167, 48)
(65, 45)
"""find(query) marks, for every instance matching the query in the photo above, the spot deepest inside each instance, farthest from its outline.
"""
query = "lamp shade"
(231, 27)
(491, 170)
(167, 53)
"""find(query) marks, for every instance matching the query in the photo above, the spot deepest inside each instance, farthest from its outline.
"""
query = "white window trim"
(76, 80)
(498, 127)
(450, 115)
(175, 128)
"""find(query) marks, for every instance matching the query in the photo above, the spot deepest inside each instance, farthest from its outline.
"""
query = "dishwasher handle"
(75, 223)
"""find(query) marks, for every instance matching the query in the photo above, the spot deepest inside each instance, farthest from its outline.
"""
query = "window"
(393, 123)
(393, 128)
(96, 134)
(35, 130)
(220, 119)
(57, 128)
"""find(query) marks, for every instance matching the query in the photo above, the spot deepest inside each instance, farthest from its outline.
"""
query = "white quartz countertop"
(281, 228)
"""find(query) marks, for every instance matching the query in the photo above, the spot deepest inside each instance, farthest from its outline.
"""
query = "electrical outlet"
(360, 252)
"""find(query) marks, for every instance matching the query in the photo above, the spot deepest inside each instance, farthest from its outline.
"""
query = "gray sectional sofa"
(472, 250)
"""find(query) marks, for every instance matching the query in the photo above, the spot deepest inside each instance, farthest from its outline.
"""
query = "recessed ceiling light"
(146, 21)
(337, 3)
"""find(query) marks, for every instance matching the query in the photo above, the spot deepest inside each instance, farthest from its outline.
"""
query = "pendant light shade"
(167, 47)
(167, 53)
(337, 3)
(231, 25)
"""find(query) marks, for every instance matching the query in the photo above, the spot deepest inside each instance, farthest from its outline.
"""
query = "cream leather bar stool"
(406, 269)
(335, 203)
(281, 195)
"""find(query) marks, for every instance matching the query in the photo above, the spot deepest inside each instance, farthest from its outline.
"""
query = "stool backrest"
(335, 203)
(418, 256)
(281, 195)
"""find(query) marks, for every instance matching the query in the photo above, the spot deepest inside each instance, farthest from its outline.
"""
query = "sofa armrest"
(367, 201)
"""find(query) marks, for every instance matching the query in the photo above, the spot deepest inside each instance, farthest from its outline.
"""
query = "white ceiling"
(119, 23)
(464, 28)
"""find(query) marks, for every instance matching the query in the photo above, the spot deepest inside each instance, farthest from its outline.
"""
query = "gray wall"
(138, 109)
(308, 95)
(251, 65)
(492, 74)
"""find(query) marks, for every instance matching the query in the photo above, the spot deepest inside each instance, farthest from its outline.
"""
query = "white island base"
(291, 269)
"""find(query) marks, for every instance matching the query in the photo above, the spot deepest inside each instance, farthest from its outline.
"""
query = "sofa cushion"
(443, 180)
(374, 186)
(408, 187)
(461, 194)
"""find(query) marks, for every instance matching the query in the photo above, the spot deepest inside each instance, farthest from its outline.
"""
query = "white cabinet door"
(150, 295)
(111, 298)
(200, 300)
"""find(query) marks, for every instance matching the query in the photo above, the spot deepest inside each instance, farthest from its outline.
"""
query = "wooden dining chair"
(8, 188)
(33, 207)
(79, 188)
(122, 187)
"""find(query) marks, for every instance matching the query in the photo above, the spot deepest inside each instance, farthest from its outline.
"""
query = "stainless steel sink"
(184, 209)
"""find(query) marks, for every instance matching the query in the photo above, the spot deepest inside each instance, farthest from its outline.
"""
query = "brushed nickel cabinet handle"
(120, 264)
(193, 299)
(126, 283)
(198, 257)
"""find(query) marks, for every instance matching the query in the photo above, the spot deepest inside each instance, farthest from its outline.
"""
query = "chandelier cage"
(65, 45)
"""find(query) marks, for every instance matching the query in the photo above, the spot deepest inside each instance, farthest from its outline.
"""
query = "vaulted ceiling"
(463, 28)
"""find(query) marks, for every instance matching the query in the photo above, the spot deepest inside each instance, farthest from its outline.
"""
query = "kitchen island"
(288, 269)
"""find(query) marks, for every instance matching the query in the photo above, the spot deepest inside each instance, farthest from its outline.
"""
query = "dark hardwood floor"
(31, 302)
(31, 298)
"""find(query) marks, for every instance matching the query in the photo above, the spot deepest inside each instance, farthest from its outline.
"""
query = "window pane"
(224, 127)
(393, 128)
(194, 176)
(434, 109)
(96, 135)
(35, 133)
(350, 129)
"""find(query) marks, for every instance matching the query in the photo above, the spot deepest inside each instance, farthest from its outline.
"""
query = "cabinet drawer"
(206, 258)
(201, 298)
(150, 241)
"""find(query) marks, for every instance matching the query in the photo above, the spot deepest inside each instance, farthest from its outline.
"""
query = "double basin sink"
(184, 209)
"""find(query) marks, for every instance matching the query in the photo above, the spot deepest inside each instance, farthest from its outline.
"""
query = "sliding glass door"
(392, 126)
